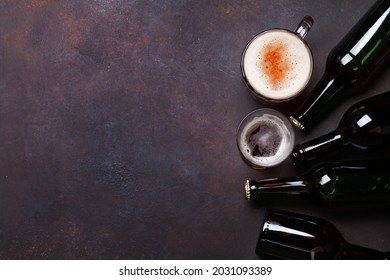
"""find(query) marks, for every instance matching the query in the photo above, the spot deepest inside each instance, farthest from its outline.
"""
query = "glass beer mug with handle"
(277, 64)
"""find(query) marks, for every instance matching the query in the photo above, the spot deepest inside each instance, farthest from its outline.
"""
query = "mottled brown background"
(118, 121)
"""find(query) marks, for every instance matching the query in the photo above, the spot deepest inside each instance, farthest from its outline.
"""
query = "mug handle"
(304, 26)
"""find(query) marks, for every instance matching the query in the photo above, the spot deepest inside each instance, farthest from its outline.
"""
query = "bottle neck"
(355, 252)
(261, 190)
(317, 147)
(320, 98)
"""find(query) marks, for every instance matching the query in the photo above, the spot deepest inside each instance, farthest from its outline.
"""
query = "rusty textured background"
(118, 122)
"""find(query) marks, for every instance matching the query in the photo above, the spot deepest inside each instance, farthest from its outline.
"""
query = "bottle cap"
(297, 123)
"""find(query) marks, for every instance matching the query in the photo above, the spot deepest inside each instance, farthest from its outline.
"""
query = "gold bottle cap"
(297, 124)
(247, 190)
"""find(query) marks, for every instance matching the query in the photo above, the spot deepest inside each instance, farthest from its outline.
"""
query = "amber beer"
(277, 64)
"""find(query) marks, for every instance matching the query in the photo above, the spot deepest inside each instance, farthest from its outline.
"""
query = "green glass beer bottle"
(364, 127)
(329, 184)
(350, 66)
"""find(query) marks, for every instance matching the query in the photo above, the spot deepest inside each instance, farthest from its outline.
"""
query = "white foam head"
(277, 64)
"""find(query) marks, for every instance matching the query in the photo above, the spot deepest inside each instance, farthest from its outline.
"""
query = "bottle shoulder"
(366, 45)
(346, 69)
(345, 184)
(368, 120)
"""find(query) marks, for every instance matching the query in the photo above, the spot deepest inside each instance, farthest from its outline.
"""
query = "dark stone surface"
(118, 122)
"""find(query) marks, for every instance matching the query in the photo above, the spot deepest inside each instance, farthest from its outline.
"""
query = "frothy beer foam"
(265, 140)
(277, 64)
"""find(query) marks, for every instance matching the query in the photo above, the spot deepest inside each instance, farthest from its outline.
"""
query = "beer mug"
(277, 64)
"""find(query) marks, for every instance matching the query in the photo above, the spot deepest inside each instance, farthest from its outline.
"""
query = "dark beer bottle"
(293, 236)
(329, 184)
(351, 65)
(364, 126)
